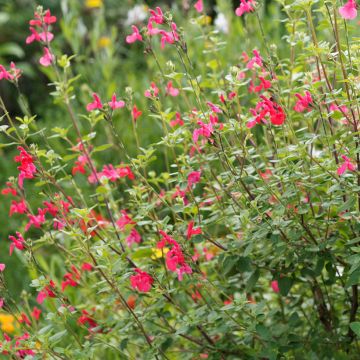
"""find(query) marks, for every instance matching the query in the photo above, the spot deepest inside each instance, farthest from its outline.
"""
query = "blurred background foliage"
(95, 31)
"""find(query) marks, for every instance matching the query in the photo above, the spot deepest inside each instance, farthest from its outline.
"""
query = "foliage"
(187, 189)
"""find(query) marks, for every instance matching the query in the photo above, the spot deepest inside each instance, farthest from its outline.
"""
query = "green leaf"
(355, 327)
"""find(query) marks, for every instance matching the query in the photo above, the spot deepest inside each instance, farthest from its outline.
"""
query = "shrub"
(233, 235)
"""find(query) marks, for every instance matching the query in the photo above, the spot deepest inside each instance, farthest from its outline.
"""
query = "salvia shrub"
(233, 234)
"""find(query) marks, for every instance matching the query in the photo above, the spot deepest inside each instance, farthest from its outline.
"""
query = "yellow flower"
(104, 42)
(92, 4)
(7, 323)
(204, 20)
(158, 253)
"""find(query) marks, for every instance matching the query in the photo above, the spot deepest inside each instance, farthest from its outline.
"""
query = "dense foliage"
(181, 186)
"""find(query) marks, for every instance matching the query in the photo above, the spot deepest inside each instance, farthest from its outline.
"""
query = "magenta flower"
(124, 220)
(347, 165)
(47, 59)
(304, 102)
(135, 36)
(192, 231)
(256, 59)
(17, 242)
(348, 11)
(153, 91)
(199, 6)
(136, 113)
(170, 90)
(275, 286)
(156, 16)
(114, 104)
(214, 108)
(18, 207)
(96, 104)
(245, 6)
(193, 178)
(142, 281)
(27, 168)
(2, 267)
(133, 238)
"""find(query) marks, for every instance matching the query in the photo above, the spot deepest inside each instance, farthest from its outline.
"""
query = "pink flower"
(214, 108)
(275, 286)
(169, 37)
(177, 121)
(17, 242)
(36, 220)
(256, 59)
(193, 178)
(4, 74)
(96, 104)
(205, 130)
(245, 6)
(142, 281)
(199, 6)
(347, 165)
(175, 260)
(27, 168)
(48, 18)
(47, 59)
(348, 11)
(9, 189)
(124, 220)
(135, 36)
(136, 113)
(153, 91)
(151, 30)
(36, 313)
(303, 103)
(46, 292)
(114, 104)
(45, 36)
(192, 231)
(170, 90)
(18, 207)
(133, 238)
(156, 16)
(267, 108)
(2, 267)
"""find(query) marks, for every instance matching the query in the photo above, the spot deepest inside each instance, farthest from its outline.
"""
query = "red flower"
(193, 178)
(175, 260)
(27, 168)
(86, 267)
(18, 207)
(46, 292)
(136, 113)
(133, 238)
(36, 313)
(124, 220)
(347, 165)
(153, 91)
(142, 281)
(177, 121)
(192, 231)
(9, 189)
(36, 220)
(17, 242)
(96, 104)
(304, 102)
(86, 319)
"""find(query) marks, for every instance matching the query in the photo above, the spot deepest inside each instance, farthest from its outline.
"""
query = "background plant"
(209, 208)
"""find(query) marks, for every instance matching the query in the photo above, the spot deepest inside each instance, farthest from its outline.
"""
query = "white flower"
(221, 23)
(135, 15)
